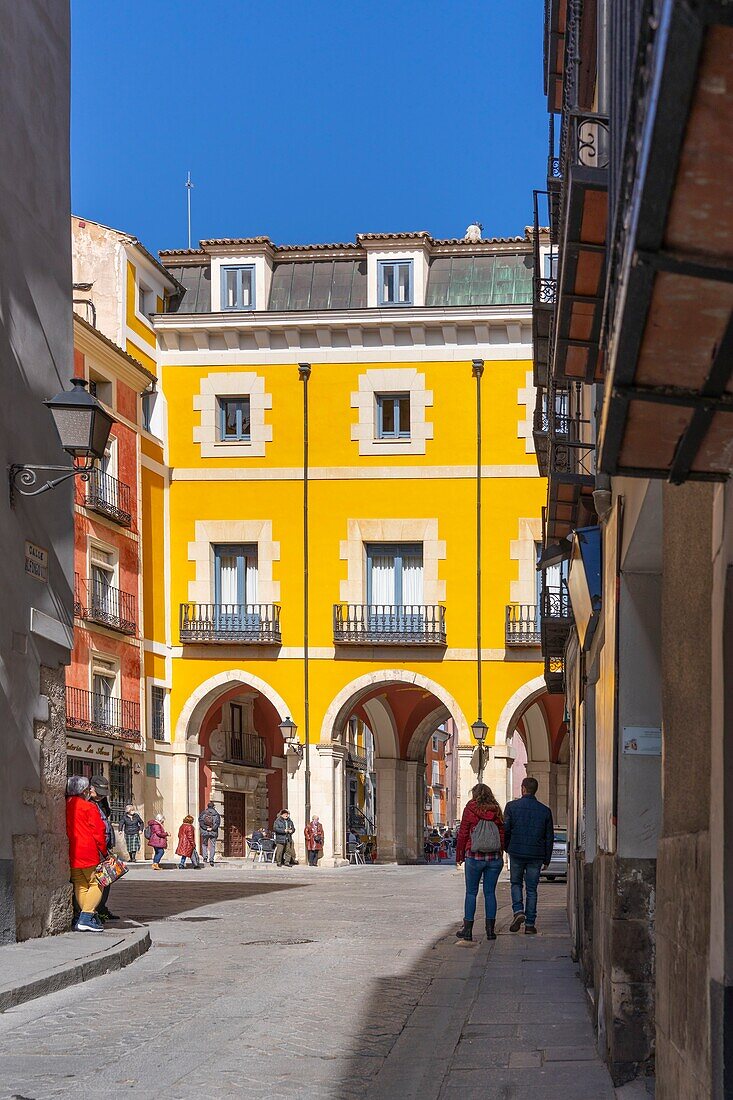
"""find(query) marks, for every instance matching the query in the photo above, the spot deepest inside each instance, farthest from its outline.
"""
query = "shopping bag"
(195, 858)
(110, 869)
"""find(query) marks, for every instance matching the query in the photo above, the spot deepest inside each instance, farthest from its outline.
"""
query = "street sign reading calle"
(36, 562)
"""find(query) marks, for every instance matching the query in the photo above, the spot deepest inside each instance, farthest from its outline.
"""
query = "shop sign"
(89, 750)
(642, 741)
(36, 562)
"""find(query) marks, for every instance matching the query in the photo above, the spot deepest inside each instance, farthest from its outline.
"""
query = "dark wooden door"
(234, 829)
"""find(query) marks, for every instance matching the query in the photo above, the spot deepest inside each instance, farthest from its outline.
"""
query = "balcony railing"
(101, 603)
(389, 624)
(522, 624)
(356, 760)
(555, 675)
(557, 619)
(251, 624)
(90, 712)
(109, 497)
(244, 748)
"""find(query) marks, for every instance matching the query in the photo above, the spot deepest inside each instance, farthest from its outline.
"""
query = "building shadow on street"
(146, 900)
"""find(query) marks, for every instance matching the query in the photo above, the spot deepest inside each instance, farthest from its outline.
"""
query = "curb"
(121, 953)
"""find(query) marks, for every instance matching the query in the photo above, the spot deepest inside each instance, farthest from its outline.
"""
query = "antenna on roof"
(189, 188)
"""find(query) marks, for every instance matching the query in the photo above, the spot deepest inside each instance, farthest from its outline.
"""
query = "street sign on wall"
(36, 562)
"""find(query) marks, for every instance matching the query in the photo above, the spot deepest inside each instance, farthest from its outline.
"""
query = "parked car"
(558, 866)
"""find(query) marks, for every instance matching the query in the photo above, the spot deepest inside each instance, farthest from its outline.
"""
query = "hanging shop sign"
(36, 562)
(89, 750)
(642, 741)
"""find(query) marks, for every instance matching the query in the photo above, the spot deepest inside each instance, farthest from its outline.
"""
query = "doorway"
(234, 824)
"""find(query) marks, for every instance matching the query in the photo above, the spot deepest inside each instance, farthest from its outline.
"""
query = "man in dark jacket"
(209, 822)
(528, 838)
(284, 849)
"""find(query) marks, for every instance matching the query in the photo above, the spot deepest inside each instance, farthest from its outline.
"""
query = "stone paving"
(277, 983)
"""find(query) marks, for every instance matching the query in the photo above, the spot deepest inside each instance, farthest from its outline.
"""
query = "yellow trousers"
(87, 891)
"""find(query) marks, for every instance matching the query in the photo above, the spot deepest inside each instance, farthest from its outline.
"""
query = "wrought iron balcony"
(522, 624)
(557, 618)
(244, 748)
(91, 712)
(555, 675)
(356, 760)
(109, 497)
(101, 603)
(389, 624)
(248, 624)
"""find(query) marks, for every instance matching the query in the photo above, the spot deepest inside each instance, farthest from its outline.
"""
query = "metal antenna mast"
(189, 188)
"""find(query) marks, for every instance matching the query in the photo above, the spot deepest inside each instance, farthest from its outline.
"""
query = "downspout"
(477, 370)
(304, 373)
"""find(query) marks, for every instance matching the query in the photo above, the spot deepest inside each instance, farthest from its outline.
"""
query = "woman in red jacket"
(87, 845)
(186, 842)
(480, 846)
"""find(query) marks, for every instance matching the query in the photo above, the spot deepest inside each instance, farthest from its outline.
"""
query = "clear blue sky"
(306, 120)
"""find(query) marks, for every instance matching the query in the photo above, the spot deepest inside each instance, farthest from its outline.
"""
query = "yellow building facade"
(390, 327)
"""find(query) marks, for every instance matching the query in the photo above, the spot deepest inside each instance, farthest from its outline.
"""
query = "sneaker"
(88, 922)
(530, 930)
(517, 922)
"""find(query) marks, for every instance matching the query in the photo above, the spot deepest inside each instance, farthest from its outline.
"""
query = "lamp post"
(83, 428)
(288, 729)
(304, 373)
(480, 729)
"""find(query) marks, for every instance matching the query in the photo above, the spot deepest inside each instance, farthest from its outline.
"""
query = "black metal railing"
(556, 602)
(571, 450)
(389, 624)
(522, 624)
(251, 623)
(244, 748)
(357, 821)
(555, 675)
(98, 602)
(356, 760)
(109, 497)
(545, 292)
(91, 712)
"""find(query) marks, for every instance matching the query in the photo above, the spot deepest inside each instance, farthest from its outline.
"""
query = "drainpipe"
(477, 369)
(304, 373)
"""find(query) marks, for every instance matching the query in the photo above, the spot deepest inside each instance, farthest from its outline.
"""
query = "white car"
(558, 865)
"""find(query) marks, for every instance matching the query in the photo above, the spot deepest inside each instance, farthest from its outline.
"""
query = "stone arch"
(522, 698)
(425, 730)
(382, 725)
(201, 699)
(338, 711)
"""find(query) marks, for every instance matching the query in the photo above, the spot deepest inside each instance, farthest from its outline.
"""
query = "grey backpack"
(485, 837)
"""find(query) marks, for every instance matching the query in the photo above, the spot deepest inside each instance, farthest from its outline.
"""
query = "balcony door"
(104, 679)
(395, 588)
(235, 589)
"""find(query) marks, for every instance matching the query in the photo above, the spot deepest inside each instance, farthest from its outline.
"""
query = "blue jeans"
(489, 870)
(525, 872)
(159, 853)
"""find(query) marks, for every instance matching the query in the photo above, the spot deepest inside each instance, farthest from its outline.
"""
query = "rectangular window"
(393, 416)
(235, 575)
(157, 712)
(145, 300)
(234, 419)
(435, 780)
(395, 282)
(238, 287)
(148, 404)
(395, 575)
(104, 681)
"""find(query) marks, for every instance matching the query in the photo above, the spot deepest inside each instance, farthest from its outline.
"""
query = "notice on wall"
(36, 562)
(642, 740)
(90, 750)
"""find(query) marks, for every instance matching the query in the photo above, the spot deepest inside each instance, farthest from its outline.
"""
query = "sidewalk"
(37, 967)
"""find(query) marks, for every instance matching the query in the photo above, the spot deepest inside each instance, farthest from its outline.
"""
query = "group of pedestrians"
(525, 832)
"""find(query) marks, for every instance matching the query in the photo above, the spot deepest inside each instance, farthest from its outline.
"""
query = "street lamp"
(480, 729)
(83, 428)
(288, 729)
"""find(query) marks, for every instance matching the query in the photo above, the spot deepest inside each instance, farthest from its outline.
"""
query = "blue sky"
(306, 120)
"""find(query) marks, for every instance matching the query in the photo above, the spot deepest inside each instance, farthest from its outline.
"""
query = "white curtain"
(229, 593)
(412, 575)
(250, 578)
(383, 579)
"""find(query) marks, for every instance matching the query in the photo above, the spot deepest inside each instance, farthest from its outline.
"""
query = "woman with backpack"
(157, 838)
(480, 846)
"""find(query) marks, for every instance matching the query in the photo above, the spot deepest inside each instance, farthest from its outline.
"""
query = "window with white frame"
(393, 415)
(394, 282)
(435, 779)
(157, 713)
(105, 672)
(103, 564)
(145, 300)
(238, 287)
(235, 423)
(395, 574)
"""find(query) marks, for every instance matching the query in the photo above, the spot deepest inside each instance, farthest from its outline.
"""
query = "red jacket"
(313, 837)
(158, 835)
(471, 816)
(186, 840)
(86, 832)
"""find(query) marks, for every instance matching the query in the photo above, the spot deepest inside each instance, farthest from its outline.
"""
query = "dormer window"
(145, 300)
(238, 287)
(395, 282)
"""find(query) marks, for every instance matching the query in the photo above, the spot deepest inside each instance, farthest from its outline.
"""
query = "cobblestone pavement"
(277, 983)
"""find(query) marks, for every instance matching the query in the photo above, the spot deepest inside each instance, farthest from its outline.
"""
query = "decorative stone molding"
(361, 531)
(523, 551)
(202, 698)
(526, 397)
(232, 384)
(391, 380)
(212, 532)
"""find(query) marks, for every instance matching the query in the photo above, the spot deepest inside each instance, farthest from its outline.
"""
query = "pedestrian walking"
(314, 840)
(157, 838)
(529, 836)
(480, 846)
(87, 846)
(209, 824)
(284, 828)
(98, 793)
(187, 843)
(132, 825)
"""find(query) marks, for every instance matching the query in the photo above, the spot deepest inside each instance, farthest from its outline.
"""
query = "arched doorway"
(402, 711)
(237, 758)
(538, 748)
